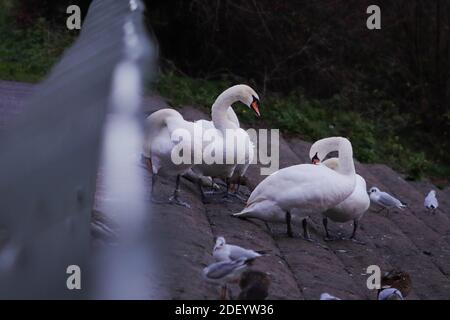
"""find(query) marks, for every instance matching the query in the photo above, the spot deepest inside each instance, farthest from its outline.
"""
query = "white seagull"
(327, 296)
(227, 252)
(431, 202)
(385, 200)
(307, 187)
(225, 272)
(390, 294)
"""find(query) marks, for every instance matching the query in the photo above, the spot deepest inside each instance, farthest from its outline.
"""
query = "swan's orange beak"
(255, 107)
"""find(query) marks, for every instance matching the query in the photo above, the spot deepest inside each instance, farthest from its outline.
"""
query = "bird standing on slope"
(352, 208)
(230, 140)
(385, 200)
(307, 187)
(159, 143)
(227, 252)
(225, 272)
(431, 202)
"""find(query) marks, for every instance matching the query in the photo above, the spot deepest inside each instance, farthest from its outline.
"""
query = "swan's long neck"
(220, 107)
(346, 164)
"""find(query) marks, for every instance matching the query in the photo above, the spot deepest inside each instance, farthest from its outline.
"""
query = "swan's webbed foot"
(172, 200)
(175, 200)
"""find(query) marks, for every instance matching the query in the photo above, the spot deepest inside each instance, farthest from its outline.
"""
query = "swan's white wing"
(354, 206)
(315, 188)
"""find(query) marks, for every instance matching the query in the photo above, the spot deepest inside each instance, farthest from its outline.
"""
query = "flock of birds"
(327, 186)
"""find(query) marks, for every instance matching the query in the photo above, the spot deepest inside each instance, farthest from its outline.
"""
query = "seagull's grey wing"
(389, 201)
(220, 270)
(237, 252)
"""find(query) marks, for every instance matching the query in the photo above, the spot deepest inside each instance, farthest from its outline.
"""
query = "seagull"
(327, 296)
(224, 272)
(228, 252)
(385, 200)
(390, 294)
(431, 202)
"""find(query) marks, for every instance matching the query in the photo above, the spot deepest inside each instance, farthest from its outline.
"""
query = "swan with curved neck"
(219, 109)
(161, 125)
(307, 187)
(225, 121)
(352, 208)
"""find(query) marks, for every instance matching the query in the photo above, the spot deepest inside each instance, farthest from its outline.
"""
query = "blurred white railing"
(49, 158)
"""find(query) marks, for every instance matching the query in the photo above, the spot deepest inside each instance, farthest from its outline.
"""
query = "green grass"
(28, 54)
(375, 139)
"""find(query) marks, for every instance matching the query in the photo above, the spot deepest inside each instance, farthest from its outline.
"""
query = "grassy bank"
(376, 138)
(377, 129)
(27, 54)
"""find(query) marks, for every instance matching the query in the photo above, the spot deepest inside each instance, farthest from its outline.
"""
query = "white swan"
(352, 208)
(160, 139)
(239, 169)
(158, 145)
(308, 187)
(226, 123)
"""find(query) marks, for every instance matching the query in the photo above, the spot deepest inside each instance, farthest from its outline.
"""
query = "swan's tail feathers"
(239, 214)
(245, 213)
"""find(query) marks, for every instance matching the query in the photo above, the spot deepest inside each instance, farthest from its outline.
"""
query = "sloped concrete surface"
(413, 239)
